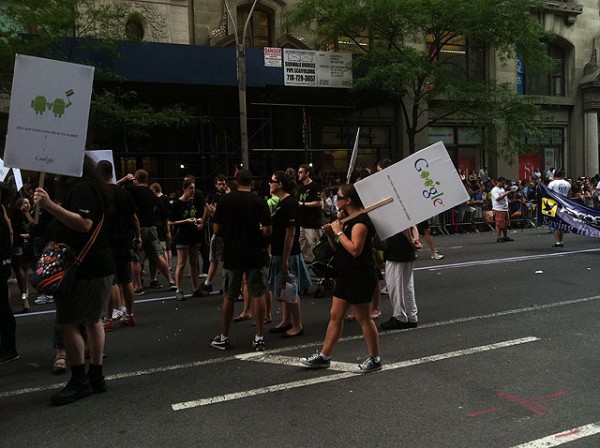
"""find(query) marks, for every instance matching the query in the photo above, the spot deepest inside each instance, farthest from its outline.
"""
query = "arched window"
(134, 29)
(260, 28)
(546, 84)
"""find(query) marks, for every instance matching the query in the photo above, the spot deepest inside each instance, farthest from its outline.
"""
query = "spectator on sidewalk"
(562, 187)
(500, 210)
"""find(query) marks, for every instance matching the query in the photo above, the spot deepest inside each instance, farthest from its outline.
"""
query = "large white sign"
(422, 185)
(49, 109)
(307, 68)
(103, 154)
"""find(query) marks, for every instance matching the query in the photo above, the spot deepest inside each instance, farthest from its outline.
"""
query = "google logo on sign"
(431, 192)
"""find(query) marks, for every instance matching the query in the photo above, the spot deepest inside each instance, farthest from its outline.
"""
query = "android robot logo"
(40, 104)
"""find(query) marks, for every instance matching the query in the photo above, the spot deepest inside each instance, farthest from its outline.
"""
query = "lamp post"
(241, 74)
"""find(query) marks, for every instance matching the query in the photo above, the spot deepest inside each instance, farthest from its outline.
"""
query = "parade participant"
(8, 325)
(243, 220)
(21, 256)
(216, 241)
(286, 259)
(355, 283)
(309, 213)
(80, 212)
(185, 219)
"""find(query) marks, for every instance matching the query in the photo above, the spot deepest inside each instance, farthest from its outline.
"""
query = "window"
(465, 58)
(547, 84)
(134, 29)
(260, 28)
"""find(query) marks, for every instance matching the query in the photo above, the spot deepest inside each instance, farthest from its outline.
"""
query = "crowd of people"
(264, 236)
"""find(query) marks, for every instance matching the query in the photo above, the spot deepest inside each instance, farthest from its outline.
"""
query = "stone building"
(189, 56)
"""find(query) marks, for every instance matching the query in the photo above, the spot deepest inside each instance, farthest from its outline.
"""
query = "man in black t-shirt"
(243, 220)
(216, 241)
(309, 213)
(145, 200)
(124, 233)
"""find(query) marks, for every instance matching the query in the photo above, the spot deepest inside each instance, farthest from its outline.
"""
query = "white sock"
(224, 338)
(258, 338)
(325, 357)
(206, 282)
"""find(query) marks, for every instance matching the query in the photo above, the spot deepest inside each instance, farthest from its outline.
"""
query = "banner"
(307, 68)
(47, 123)
(561, 213)
(422, 185)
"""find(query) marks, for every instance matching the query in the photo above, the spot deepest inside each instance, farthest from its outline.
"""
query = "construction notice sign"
(421, 186)
(48, 119)
(307, 68)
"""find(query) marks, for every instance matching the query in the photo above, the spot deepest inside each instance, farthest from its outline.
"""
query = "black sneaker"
(155, 285)
(206, 289)
(74, 390)
(259, 346)
(369, 365)
(172, 287)
(7, 357)
(217, 343)
(558, 245)
(98, 384)
(315, 361)
(507, 239)
(500, 240)
(395, 324)
(180, 296)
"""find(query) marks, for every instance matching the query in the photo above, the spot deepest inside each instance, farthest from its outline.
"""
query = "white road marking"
(340, 376)
(307, 345)
(563, 437)
(437, 267)
(465, 264)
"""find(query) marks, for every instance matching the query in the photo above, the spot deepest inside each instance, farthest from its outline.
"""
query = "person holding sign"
(356, 281)
(81, 210)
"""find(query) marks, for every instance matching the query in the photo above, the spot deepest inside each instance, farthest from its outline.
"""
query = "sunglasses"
(343, 198)
(273, 181)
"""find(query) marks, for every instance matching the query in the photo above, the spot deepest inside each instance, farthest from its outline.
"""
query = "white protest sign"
(49, 109)
(422, 185)
(18, 178)
(3, 171)
(103, 154)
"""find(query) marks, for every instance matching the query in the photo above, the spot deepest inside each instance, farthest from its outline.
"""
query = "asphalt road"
(507, 353)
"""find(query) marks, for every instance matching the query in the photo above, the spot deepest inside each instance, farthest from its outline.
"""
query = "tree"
(417, 51)
(86, 32)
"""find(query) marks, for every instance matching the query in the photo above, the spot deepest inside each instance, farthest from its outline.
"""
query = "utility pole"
(241, 73)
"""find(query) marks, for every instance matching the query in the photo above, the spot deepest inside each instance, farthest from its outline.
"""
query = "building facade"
(188, 56)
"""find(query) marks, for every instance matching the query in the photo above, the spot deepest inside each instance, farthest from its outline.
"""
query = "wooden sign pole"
(36, 218)
(368, 209)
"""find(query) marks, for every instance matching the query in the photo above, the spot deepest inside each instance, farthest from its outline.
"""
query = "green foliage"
(398, 61)
(111, 113)
(39, 28)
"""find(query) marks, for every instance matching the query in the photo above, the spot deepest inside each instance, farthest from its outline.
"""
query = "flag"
(562, 213)
(69, 93)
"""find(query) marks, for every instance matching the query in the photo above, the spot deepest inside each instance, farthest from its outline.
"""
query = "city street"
(507, 354)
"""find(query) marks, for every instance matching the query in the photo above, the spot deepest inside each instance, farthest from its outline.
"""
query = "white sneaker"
(117, 314)
(436, 256)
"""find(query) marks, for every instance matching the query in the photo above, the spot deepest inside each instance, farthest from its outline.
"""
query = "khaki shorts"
(232, 282)
(151, 247)
(86, 303)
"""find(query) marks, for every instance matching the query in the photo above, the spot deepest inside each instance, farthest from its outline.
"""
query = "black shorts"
(122, 257)
(356, 287)
(422, 226)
